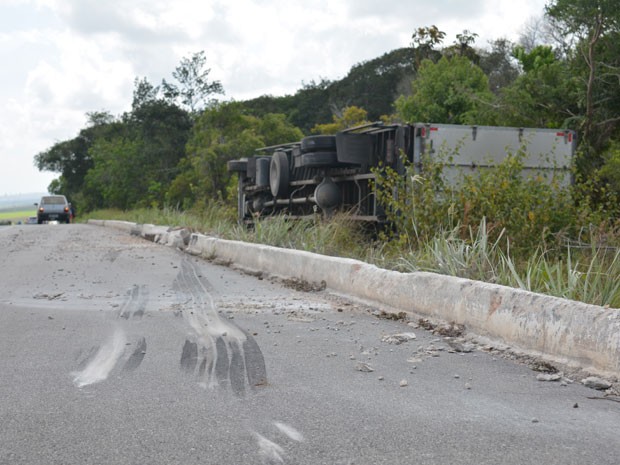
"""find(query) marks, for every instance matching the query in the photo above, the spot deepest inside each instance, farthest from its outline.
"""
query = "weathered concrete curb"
(571, 333)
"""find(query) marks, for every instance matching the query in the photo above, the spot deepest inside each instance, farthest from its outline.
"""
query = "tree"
(610, 171)
(539, 30)
(117, 178)
(193, 89)
(311, 105)
(71, 158)
(539, 56)
(266, 104)
(274, 129)
(423, 41)
(135, 166)
(122, 162)
(499, 65)
(453, 90)
(544, 96)
(463, 46)
(590, 21)
(143, 92)
(373, 84)
(352, 116)
(222, 133)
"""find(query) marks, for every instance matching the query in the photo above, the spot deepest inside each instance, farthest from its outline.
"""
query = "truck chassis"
(326, 173)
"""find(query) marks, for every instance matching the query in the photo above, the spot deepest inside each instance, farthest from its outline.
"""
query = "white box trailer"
(546, 152)
(326, 173)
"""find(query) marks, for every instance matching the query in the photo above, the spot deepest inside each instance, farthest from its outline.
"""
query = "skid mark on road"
(226, 356)
(98, 362)
(135, 302)
(291, 432)
(135, 359)
(84, 357)
(111, 255)
(103, 362)
(189, 356)
(270, 451)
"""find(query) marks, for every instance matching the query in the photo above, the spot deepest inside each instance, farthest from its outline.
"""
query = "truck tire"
(318, 144)
(318, 159)
(279, 176)
(237, 166)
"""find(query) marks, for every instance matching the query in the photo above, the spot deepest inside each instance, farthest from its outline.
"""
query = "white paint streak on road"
(104, 361)
(289, 431)
(269, 450)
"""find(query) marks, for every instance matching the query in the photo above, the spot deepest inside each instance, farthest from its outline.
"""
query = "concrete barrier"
(573, 334)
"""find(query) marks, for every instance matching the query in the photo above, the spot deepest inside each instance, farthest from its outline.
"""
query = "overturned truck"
(327, 173)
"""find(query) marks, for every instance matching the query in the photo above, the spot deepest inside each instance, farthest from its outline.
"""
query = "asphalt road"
(114, 350)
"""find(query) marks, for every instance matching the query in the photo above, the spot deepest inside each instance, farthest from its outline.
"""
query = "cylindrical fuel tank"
(262, 171)
(327, 194)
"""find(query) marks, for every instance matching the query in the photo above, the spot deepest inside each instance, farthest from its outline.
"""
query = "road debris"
(42, 296)
(364, 367)
(396, 316)
(304, 286)
(542, 366)
(549, 376)
(461, 346)
(445, 329)
(398, 338)
(596, 383)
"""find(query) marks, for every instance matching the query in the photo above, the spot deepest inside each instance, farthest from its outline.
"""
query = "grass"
(589, 274)
(17, 215)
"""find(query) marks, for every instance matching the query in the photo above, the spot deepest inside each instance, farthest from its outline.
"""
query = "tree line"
(172, 146)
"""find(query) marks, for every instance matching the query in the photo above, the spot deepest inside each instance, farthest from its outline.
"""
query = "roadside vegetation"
(164, 160)
(586, 270)
(15, 216)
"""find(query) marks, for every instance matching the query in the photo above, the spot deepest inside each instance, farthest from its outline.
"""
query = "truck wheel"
(318, 144)
(316, 159)
(237, 166)
(279, 174)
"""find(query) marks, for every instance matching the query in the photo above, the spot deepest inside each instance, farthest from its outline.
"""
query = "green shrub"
(528, 211)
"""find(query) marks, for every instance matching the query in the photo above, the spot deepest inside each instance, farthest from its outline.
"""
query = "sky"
(61, 59)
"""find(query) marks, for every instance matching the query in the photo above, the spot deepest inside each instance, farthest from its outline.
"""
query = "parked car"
(53, 208)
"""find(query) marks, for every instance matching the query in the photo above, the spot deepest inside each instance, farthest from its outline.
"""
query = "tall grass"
(592, 278)
(590, 275)
(217, 220)
(477, 257)
(339, 236)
